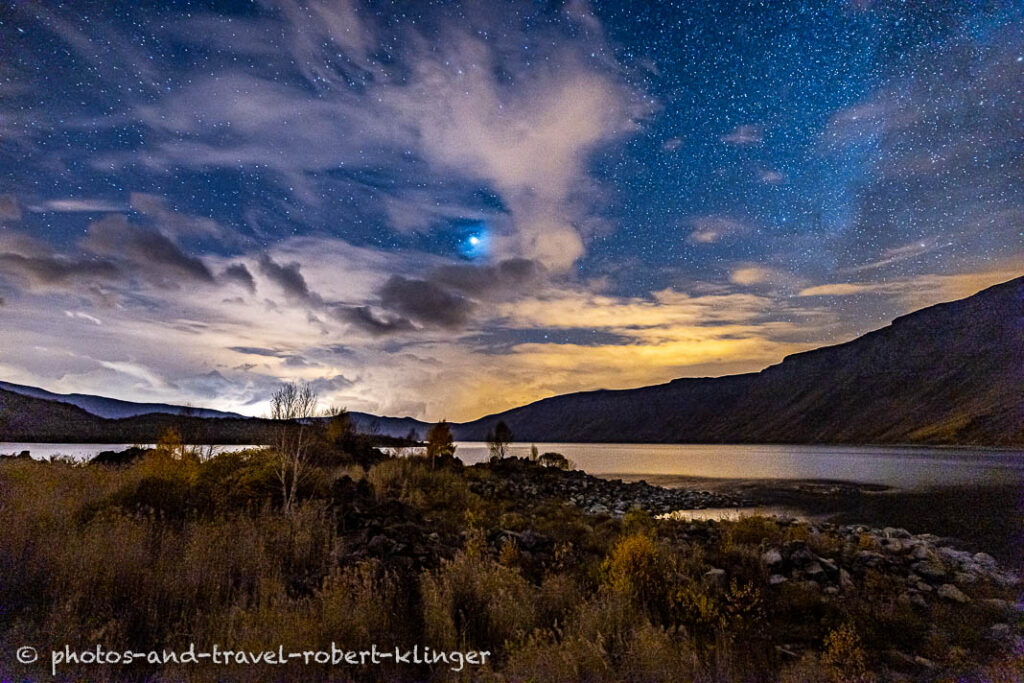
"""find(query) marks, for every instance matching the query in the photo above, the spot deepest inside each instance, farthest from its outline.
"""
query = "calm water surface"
(904, 467)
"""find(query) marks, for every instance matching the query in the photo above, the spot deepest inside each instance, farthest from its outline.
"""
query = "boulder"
(948, 591)
(930, 569)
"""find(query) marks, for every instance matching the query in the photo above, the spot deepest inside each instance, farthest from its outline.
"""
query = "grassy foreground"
(169, 551)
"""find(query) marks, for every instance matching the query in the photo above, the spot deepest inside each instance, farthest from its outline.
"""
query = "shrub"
(474, 602)
(843, 658)
(639, 568)
(753, 530)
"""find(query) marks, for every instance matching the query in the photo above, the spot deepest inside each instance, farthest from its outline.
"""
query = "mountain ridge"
(949, 373)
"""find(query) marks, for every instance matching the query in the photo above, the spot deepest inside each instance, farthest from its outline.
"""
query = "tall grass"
(169, 551)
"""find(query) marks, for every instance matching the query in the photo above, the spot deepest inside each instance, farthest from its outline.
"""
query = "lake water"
(903, 467)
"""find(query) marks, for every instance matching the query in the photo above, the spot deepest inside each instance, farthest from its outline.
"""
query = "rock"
(964, 578)
(801, 556)
(715, 576)
(954, 556)
(844, 580)
(921, 552)
(985, 560)
(869, 559)
(997, 605)
(814, 570)
(776, 579)
(926, 663)
(597, 509)
(999, 632)
(772, 557)
(831, 590)
(378, 544)
(950, 592)
(917, 600)
(930, 569)
(892, 545)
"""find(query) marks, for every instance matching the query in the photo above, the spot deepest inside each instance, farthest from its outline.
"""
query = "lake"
(903, 467)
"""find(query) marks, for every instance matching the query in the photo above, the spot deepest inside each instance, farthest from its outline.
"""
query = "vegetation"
(168, 550)
(498, 440)
(292, 407)
(440, 443)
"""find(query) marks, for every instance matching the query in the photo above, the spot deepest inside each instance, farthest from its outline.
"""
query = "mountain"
(34, 414)
(112, 407)
(952, 373)
(948, 374)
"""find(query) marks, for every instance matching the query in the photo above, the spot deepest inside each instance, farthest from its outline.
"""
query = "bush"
(639, 568)
(843, 658)
(476, 603)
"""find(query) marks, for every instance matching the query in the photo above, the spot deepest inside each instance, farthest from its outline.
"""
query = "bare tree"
(292, 407)
(498, 440)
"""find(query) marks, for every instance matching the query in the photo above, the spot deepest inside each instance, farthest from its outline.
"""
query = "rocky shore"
(594, 495)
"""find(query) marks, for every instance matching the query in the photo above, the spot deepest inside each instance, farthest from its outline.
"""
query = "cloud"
(81, 315)
(522, 125)
(714, 228)
(752, 275)
(672, 144)
(10, 209)
(151, 252)
(507, 278)
(172, 222)
(365, 319)
(330, 385)
(56, 270)
(921, 290)
(239, 274)
(73, 205)
(530, 139)
(900, 254)
(925, 159)
(771, 177)
(258, 351)
(289, 278)
(746, 134)
(841, 289)
(425, 302)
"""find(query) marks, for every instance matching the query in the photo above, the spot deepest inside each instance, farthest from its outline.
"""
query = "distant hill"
(33, 414)
(112, 407)
(948, 374)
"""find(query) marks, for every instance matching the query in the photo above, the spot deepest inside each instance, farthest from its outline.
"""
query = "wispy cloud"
(745, 134)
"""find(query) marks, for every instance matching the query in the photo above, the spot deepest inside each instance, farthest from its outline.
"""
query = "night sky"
(443, 209)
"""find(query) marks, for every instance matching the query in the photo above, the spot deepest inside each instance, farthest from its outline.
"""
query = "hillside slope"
(952, 373)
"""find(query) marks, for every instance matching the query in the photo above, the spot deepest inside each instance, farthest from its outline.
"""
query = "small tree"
(498, 440)
(339, 426)
(440, 443)
(292, 407)
(171, 444)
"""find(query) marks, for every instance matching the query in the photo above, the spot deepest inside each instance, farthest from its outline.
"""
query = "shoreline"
(981, 517)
